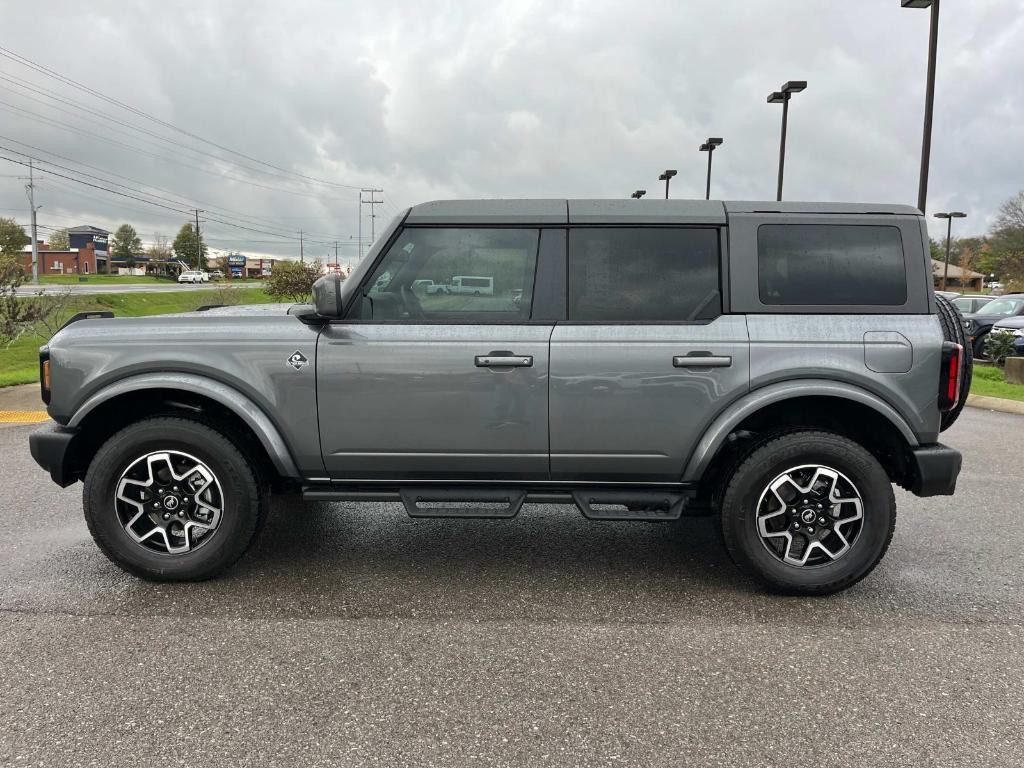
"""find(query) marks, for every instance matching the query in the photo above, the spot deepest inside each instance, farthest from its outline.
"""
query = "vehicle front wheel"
(171, 499)
(808, 513)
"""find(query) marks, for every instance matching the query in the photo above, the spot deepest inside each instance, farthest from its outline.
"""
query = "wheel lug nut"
(810, 529)
(821, 521)
(181, 514)
(796, 526)
(167, 515)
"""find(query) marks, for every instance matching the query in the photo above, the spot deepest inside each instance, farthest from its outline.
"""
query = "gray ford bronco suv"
(779, 365)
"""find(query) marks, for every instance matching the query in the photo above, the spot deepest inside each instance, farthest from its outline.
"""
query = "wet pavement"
(354, 635)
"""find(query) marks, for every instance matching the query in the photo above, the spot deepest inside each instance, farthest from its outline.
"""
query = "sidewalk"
(21, 405)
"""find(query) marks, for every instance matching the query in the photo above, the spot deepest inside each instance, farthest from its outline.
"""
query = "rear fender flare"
(715, 435)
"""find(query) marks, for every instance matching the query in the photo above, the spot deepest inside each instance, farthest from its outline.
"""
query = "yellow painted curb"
(23, 417)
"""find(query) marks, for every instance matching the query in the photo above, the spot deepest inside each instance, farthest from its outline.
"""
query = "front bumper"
(52, 447)
(934, 470)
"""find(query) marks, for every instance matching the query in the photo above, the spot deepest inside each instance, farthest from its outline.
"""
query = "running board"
(503, 503)
(629, 505)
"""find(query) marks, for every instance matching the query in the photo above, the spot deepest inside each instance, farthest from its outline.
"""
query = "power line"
(6, 53)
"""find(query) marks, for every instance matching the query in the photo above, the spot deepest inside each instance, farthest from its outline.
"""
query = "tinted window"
(831, 264)
(650, 275)
(461, 274)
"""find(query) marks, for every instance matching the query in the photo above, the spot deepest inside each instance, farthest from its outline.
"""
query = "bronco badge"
(297, 360)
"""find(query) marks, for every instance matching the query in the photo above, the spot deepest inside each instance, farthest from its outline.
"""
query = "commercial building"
(959, 279)
(87, 237)
(74, 261)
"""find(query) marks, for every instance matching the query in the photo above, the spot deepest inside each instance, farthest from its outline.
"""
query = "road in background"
(353, 635)
(86, 288)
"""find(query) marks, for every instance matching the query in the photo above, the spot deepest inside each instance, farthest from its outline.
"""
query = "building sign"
(236, 260)
(265, 266)
(100, 243)
(236, 271)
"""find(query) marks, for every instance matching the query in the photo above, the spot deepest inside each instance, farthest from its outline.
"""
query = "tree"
(1006, 239)
(189, 246)
(17, 315)
(59, 240)
(293, 280)
(12, 238)
(126, 244)
(159, 250)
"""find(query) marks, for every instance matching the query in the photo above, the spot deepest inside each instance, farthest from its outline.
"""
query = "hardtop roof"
(614, 210)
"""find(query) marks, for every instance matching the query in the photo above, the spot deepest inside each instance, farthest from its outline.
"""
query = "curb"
(996, 404)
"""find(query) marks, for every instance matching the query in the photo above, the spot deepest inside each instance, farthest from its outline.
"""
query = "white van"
(477, 286)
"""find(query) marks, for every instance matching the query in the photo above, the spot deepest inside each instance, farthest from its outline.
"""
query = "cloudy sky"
(480, 98)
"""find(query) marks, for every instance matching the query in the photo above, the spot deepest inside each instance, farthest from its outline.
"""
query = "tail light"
(951, 375)
(44, 374)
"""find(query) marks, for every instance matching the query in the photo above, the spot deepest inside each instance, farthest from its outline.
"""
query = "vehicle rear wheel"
(953, 330)
(808, 513)
(171, 499)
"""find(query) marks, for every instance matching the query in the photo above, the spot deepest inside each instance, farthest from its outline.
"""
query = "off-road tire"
(743, 491)
(953, 330)
(244, 499)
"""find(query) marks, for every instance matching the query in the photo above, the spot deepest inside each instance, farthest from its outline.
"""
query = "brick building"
(74, 261)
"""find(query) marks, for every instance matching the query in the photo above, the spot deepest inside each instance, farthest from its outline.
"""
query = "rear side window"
(830, 264)
(633, 274)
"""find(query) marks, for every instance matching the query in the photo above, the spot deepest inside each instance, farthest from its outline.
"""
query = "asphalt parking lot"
(353, 635)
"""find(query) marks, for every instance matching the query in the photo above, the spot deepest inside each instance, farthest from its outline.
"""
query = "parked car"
(979, 323)
(646, 371)
(217, 274)
(1015, 327)
(193, 276)
(971, 304)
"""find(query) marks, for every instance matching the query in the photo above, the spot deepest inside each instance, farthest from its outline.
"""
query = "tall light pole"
(709, 147)
(638, 194)
(929, 96)
(666, 177)
(782, 97)
(949, 231)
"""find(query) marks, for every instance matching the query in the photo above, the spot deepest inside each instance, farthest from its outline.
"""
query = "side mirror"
(327, 296)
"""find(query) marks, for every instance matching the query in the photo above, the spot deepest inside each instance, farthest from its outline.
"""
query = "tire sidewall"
(240, 503)
(739, 514)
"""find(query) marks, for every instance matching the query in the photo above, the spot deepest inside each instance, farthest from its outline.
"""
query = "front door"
(428, 382)
(646, 358)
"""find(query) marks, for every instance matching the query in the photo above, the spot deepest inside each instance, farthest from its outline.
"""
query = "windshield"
(1002, 307)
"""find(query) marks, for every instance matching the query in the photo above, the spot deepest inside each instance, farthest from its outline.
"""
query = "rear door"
(432, 384)
(646, 357)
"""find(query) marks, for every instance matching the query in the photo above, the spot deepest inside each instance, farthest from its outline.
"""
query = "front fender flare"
(254, 416)
(716, 434)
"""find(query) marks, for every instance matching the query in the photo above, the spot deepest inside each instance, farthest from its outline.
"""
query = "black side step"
(629, 505)
(507, 502)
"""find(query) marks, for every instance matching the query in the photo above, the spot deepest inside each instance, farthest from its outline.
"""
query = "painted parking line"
(23, 417)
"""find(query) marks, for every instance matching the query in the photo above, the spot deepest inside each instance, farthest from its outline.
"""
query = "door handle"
(503, 360)
(701, 360)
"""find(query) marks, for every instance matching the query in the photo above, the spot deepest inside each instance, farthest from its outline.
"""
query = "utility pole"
(199, 241)
(371, 202)
(302, 253)
(30, 189)
(336, 254)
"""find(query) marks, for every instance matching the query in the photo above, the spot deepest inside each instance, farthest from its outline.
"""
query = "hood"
(239, 310)
(1010, 322)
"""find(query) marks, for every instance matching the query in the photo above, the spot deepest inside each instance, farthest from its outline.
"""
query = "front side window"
(637, 274)
(1003, 307)
(458, 274)
(830, 264)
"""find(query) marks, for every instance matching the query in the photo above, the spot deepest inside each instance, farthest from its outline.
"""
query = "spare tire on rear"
(953, 330)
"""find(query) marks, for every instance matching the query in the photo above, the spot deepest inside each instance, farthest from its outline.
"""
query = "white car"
(194, 276)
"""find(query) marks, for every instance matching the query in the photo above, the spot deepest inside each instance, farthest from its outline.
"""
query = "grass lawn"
(19, 362)
(988, 381)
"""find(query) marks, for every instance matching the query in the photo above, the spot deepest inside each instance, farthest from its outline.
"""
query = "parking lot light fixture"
(782, 97)
(949, 231)
(666, 176)
(929, 96)
(709, 147)
(638, 194)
